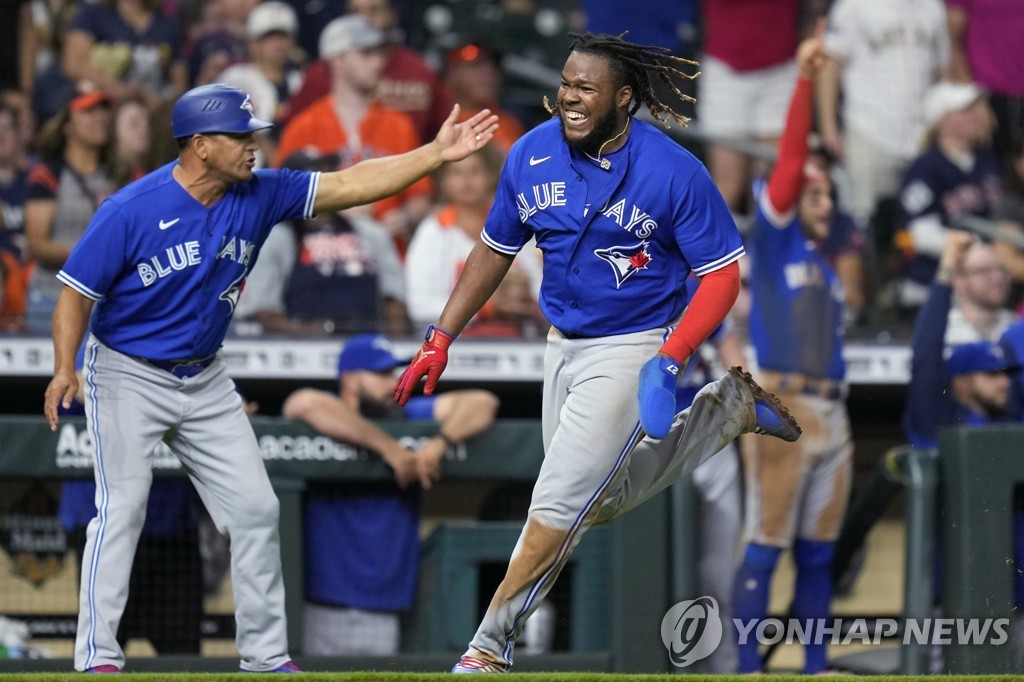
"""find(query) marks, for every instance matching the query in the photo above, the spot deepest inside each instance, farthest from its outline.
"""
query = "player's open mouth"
(574, 118)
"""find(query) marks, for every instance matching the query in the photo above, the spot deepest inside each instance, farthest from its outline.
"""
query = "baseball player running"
(164, 261)
(623, 215)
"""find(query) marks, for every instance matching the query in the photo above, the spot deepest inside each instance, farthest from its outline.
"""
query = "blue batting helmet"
(214, 108)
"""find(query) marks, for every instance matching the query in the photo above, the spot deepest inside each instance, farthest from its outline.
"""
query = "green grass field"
(443, 677)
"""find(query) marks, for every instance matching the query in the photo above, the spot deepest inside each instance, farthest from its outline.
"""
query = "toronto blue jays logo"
(247, 105)
(625, 260)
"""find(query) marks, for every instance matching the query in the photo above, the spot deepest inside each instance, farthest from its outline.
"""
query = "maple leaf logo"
(625, 260)
(640, 260)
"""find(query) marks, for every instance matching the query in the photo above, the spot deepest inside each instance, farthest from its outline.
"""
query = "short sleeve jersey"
(166, 270)
(797, 306)
(619, 244)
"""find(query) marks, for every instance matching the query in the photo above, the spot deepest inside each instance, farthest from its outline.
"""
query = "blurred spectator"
(673, 25)
(338, 273)
(270, 76)
(42, 34)
(443, 241)
(13, 184)
(473, 78)
(349, 122)
(132, 140)
(1009, 212)
(17, 100)
(744, 89)
(362, 546)
(957, 175)
(218, 39)
(12, 293)
(982, 287)
(127, 48)
(796, 492)
(407, 84)
(886, 53)
(75, 174)
(985, 36)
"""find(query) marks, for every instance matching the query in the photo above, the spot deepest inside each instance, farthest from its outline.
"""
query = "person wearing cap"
(166, 258)
(357, 582)
(957, 175)
(349, 121)
(973, 387)
(76, 172)
(796, 492)
(473, 77)
(270, 75)
(408, 83)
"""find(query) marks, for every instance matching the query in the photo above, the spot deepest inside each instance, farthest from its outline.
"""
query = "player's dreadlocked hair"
(632, 65)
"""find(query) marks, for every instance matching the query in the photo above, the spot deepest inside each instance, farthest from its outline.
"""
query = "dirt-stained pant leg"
(591, 430)
(800, 489)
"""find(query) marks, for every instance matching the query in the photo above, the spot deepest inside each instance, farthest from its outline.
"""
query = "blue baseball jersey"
(618, 244)
(796, 316)
(166, 270)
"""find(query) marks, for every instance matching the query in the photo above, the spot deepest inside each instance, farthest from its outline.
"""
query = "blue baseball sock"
(750, 599)
(813, 595)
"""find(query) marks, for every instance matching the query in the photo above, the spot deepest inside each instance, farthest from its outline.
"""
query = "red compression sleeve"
(787, 177)
(708, 307)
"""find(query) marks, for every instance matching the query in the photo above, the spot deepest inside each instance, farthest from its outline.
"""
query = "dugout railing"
(622, 577)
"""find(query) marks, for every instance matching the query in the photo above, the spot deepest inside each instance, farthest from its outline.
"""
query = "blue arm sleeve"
(926, 393)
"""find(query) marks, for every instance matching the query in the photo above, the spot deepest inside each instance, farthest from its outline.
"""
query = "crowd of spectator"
(918, 110)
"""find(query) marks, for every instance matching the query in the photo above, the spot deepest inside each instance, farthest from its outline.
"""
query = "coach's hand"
(61, 391)
(459, 140)
(430, 361)
(657, 395)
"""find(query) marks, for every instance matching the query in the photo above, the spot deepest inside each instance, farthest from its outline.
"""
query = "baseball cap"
(469, 53)
(946, 97)
(981, 356)
(271, 16)
(349, 32)
(89, 100)
(370, 352)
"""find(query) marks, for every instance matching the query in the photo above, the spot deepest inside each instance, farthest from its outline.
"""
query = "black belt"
(575, 337)
(180, 368)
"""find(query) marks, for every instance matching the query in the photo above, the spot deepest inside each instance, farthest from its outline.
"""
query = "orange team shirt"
(383, 132)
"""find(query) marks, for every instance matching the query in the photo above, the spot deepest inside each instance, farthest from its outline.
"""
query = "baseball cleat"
(468, 665)
(771, 416)
(107, 668)
(288, 667)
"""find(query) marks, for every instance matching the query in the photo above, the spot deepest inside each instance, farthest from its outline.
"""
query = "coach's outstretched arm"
(374, 179)
(70, 320)
(483, 272)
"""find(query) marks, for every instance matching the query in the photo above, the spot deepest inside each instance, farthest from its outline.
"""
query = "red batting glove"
(430, 361)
